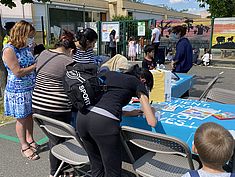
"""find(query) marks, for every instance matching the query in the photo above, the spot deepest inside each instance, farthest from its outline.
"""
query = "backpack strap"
(46, 62)
(194, 173)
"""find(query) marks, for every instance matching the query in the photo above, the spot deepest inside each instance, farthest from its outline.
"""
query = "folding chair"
(167, 156)
(71, 151)
(221, 95)
(208, 87)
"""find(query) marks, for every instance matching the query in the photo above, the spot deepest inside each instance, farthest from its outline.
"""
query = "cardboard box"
(161, 91)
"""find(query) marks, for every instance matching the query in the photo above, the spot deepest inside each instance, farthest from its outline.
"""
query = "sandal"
(35, 148)
(33, 156)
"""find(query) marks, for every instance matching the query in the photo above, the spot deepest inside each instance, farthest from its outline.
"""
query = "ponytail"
(85, 35)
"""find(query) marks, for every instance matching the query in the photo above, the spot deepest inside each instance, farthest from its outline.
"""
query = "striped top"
(84, 57)
(49, 94)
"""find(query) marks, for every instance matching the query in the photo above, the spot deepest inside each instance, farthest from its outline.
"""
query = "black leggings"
(101, 137)
(156, 45)
(112, 51)
(64, 117)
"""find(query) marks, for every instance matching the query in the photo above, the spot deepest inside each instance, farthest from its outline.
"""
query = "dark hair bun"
(85, 35)
(66, 40)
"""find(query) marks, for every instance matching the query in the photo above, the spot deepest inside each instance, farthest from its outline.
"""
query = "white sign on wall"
(106, 28)
(141, 28)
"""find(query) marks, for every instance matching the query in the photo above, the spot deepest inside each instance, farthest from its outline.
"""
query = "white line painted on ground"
(221, 67)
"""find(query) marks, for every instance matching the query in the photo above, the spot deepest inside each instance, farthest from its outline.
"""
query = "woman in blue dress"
(20, 65)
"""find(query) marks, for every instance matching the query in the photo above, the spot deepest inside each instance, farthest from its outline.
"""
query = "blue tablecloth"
(181, 126)
(179, 87)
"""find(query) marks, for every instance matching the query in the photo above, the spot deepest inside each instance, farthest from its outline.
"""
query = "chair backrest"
(221, 95)
(155, 142)
(210, 85)
(56, 128)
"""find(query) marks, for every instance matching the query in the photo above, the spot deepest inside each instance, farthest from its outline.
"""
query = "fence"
(199, 32)
(202, 33)
(138, 30)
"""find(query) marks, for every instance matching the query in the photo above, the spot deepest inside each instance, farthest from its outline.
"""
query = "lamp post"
(23, 11)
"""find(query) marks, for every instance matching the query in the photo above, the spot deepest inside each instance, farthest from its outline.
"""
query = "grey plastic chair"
(208, 87)
(221, 95)
(167, 156)
(71, 151)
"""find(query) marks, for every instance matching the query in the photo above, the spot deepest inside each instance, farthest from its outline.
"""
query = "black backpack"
(82, 85)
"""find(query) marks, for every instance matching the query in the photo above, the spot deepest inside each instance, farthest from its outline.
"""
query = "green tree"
(11, 3)
(121, 18)
(219, 8)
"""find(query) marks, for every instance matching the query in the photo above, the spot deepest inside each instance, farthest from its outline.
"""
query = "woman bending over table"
(99, 125)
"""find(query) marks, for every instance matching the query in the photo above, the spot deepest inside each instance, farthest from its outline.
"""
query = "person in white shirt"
(206, 58)
(155, 40)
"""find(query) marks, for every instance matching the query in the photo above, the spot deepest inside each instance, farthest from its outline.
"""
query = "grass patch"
(4, 119)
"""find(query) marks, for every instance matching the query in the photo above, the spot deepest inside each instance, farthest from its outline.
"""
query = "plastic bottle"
(162, 66)
(158, 66)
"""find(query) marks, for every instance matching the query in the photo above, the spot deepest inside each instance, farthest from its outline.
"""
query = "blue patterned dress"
(18, 92)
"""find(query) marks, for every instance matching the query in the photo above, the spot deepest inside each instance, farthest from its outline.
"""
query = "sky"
(191, 5)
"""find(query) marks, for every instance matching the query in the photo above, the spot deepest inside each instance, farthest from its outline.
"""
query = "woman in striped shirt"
(49, 98)
(86, 40)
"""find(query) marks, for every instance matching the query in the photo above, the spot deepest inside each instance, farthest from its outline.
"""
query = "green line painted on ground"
(42, 141)
(10, 138)
(16, 140)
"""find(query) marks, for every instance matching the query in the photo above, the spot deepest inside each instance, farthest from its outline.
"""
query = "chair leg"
(78, 170)
(58, 170)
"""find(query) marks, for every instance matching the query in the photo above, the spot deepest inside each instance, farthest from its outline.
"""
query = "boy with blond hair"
(214, 145)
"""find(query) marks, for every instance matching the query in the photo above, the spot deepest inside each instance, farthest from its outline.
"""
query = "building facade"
(74, 14)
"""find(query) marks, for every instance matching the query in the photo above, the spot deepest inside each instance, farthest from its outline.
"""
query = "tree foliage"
(11, 3)
(121, 18)
(219, 8)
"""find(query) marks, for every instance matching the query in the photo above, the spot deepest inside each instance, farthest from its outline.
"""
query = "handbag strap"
(46, 62)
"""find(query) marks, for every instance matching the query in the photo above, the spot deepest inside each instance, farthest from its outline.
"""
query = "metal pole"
(23, 11)
(99, 37)
(48, 28)
(125, 26)
(84, 18)
(212, 31)
(43, 36)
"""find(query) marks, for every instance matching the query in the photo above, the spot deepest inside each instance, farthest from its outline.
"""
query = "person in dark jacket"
(183, 60)
(99, 126)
